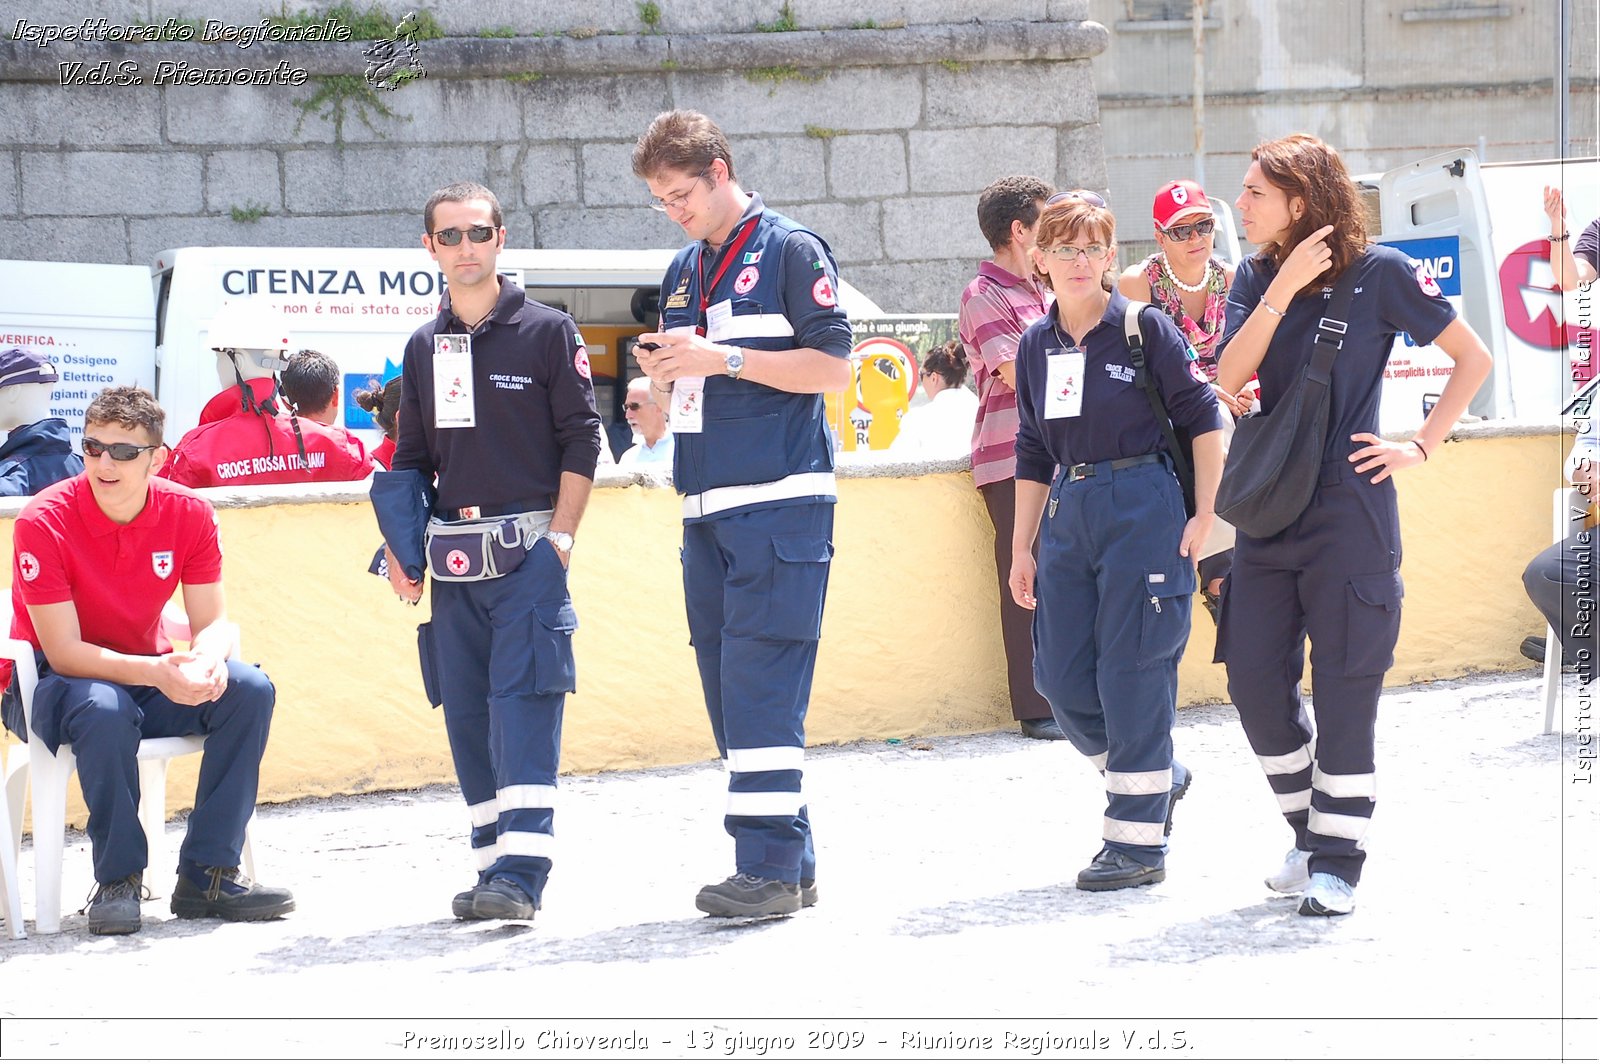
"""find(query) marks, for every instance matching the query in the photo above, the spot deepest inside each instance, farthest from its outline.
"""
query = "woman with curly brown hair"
(1333, 574)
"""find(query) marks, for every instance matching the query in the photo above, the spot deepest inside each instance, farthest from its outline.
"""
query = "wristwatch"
(734, 363)
(562, 541)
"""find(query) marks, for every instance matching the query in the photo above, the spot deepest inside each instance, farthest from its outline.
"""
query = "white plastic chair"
(51, 774)
(10, 827)
(1569, 501)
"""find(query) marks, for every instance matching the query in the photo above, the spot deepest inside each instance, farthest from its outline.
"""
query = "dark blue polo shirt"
(1116, 420)
(1394, 294)
(534, 407)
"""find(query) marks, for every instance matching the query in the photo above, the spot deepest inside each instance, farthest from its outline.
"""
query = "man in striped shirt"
(1002, 301)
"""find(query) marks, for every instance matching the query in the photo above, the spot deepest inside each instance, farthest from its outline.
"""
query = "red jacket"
(234, 445)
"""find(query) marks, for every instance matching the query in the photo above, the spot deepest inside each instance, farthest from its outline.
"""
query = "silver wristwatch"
(734, 363)
(562, 541)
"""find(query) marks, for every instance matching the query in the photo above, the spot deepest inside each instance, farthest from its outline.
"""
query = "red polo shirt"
(118, 576)
(234, 445)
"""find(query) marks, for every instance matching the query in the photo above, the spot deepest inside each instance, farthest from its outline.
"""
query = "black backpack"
(1179, 443)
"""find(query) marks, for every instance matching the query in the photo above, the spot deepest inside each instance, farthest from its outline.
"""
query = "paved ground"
(948, 916)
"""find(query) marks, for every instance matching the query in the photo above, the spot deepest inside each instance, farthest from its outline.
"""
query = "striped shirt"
(995, 308)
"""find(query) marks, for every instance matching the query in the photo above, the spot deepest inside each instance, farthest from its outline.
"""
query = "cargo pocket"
(799, 586)
(1372, 625)
(427, 657)
(554, 671)
(1164, 613)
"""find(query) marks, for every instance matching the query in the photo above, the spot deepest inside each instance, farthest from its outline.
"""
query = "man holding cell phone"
(95, 559)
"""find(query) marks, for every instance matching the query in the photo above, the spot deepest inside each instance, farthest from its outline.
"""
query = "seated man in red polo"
(246, 434)
(95, 558)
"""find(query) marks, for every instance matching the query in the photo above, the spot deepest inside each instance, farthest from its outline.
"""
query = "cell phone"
(647, 346)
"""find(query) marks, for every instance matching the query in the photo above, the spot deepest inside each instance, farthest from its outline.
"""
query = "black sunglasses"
(634, 407)
(1094, 199)
(1184, 232)
(119, 452)
(478, 234)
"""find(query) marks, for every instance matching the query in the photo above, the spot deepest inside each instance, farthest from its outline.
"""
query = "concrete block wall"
(876, 123)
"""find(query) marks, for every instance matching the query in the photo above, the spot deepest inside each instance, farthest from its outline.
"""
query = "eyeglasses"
(678, 199)
(635, 407)
(1184, 232)
(478, 234)
(1068, 253)
(119, 452)
(1093, 199)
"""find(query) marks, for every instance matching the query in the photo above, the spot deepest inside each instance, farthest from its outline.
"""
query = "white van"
(359, 305)
(95, 322)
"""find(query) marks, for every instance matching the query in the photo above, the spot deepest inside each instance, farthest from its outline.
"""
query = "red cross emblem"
(456, 562)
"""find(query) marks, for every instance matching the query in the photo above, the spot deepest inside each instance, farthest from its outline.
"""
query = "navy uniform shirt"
(1116, 420)
(534, 407)
(1393, 294)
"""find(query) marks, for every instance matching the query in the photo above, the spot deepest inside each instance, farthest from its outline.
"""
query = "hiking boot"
(499, 899)
(1113, 870)
(1328, 895)
(114, 908)
(743, 895)
(1294, 875)
(1178, 791)
(461, 904)
(808, 893)
(228, 895)
(1043, 728)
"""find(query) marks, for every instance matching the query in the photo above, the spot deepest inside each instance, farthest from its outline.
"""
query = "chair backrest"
(20, 653)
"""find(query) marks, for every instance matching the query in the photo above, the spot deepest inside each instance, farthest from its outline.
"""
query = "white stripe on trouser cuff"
(766, 759)
(1340, 826)
(1351, 785)
(1283, 764)
(1139, 782)
(1099, 761)
(485, 813)
(793, 486)
(526, 796)
(764, 803)
(1295, 801)
(486, 855)
(1134, 832)
(527, 844)
(749, 327)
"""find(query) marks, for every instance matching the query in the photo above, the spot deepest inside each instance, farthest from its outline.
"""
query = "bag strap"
(1329, 338)
(1133, 331)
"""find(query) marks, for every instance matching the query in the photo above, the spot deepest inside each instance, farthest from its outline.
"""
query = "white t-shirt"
(941, 428)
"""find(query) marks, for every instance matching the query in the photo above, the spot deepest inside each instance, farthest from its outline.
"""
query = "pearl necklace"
(1205, 277)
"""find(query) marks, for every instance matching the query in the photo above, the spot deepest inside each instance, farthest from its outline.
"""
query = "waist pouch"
(466, 551)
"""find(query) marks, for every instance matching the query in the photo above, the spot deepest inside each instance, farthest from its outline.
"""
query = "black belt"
(1087, 469)
(474, 513)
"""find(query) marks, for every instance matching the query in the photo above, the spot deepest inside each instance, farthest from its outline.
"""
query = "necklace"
(1205, 277)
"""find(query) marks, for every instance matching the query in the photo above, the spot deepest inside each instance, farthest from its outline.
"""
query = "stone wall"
(876, 123)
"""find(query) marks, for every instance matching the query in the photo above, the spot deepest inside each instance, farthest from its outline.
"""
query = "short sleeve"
(1588, 245)
(203, 564)
(1409, 299)
(1249, 282)
(38, 564)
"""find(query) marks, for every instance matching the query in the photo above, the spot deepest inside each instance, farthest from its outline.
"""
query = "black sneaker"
(461, 904)
(808, 893)
(228, 895)
(742, 895)
(1533, 649)
(114, 908)
(1113, 870)
(1043, 728)
(498, 899)
(1172, 800)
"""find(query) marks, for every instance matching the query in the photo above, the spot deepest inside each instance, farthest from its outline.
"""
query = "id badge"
(1063, 394)
(688, 413)
(719, 319)
(453, 406)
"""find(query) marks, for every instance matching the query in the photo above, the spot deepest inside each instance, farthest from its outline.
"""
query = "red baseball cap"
(1179, 199)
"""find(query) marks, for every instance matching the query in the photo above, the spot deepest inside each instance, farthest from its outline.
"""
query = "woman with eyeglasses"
(1112, 587)
(1190, 285)
(1332, 575)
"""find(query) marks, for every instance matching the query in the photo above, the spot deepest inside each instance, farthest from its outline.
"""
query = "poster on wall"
(886, 357)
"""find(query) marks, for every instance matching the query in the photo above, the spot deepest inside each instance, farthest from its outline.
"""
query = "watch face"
(735, 364)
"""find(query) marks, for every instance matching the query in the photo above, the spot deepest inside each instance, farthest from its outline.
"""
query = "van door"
(1225, 242)
(1435, 211)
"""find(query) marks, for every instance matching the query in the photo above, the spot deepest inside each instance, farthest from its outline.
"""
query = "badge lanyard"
(1064, 380)
(734, 247)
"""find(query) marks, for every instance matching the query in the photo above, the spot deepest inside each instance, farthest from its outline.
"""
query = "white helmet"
(250, 328)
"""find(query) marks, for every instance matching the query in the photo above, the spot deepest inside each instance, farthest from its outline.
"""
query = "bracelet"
(1421, 448)
(1558, 239)
(1270, 309)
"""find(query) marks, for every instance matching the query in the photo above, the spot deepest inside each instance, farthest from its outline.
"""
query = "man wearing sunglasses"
(497, 407)
(751, 338)
(649, 421)
(95, 559)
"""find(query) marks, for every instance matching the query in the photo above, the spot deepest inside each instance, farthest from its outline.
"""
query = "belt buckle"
(469, 513)
(1080, 471)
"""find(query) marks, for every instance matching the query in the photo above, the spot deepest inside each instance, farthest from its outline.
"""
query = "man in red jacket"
(246, 435)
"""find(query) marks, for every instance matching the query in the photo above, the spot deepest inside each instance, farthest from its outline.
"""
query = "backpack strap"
(1133, 331)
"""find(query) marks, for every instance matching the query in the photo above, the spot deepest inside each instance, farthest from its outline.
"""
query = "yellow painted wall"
(910, 644)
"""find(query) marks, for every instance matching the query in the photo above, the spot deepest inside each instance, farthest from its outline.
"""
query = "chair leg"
(153, 818)
(10, 891)
(49, 837)
(16, 792)
(1552, 678)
